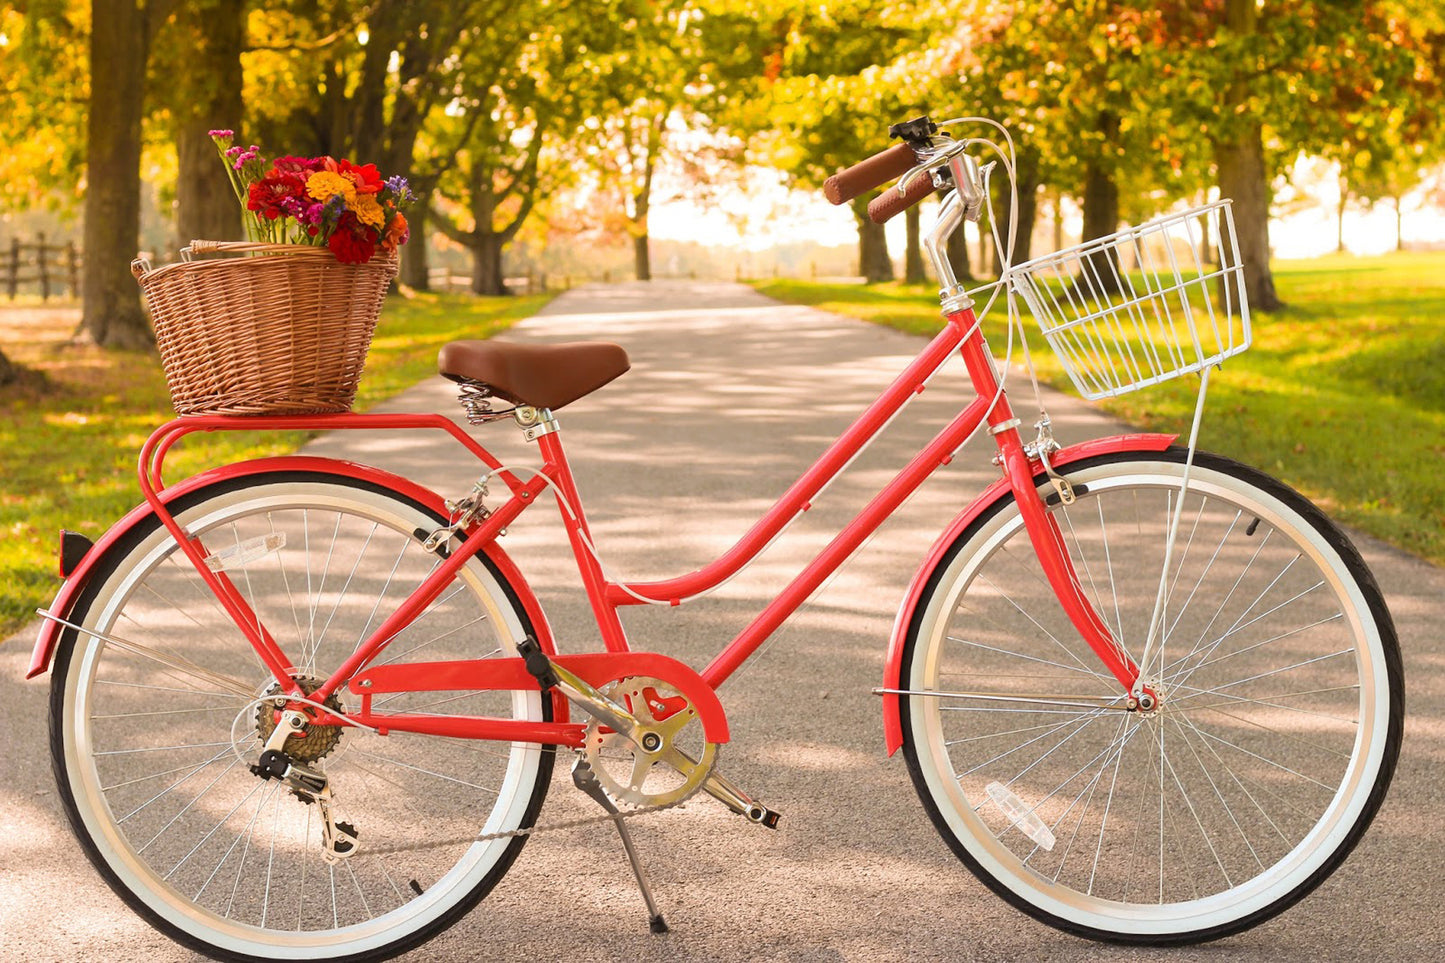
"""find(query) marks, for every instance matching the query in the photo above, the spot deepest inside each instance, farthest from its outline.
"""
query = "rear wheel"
(151, 750)
(1277, 733)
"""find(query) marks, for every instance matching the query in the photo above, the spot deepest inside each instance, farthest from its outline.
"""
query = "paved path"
(730, 398)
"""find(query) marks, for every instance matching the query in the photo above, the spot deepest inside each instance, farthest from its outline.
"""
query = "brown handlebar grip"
(865, 175)
(883, 207)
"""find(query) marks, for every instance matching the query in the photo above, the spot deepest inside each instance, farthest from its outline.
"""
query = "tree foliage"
(43, 78)
(828, 97)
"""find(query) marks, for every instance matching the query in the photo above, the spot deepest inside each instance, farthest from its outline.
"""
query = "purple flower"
(293, 206)
(312, 214)
(398, 185)
(222, 133)
(246, 157)
(234, 151)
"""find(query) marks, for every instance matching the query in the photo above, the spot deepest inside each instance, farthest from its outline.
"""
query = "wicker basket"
(280, 329)
(1144, 305)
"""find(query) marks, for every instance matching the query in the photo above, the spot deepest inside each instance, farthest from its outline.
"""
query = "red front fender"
(69, 592)
(893, 665)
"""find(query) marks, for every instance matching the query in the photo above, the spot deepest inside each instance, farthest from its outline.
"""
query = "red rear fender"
(71, 590)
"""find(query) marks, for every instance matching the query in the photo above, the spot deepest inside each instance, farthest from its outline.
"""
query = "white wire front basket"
(1143, 305)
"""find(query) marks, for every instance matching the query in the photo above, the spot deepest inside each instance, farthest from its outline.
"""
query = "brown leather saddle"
(540, 375)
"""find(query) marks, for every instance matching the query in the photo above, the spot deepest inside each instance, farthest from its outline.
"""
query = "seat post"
(539, 425)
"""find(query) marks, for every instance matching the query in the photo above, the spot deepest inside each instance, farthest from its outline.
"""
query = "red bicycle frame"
(606, 597)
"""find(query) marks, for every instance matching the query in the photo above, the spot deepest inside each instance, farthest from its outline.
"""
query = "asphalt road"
(731, 396)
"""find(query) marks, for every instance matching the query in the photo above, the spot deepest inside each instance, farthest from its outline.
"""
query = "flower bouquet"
(282, 323)
(321, 201)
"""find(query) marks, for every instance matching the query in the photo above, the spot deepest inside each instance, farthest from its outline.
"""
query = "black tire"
(419, 792)
(1330, 691)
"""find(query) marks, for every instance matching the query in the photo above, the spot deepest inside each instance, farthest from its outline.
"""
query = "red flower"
(298, 164)
(275, 186)
(352, 242)
(366, 177)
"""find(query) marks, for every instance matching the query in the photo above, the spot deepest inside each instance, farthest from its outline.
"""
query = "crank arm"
(726, 792)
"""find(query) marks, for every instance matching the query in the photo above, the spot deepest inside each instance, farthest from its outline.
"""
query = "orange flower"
(396, 232)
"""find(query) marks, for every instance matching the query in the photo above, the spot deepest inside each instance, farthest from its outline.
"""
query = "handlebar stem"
(951, 295)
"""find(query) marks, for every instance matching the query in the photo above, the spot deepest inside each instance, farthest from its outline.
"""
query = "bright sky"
(764, 213)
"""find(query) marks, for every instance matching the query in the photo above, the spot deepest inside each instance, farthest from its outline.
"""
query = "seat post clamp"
(535, 422)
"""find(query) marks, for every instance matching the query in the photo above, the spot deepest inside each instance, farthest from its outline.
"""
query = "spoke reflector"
(1024, 819)
(244, 553)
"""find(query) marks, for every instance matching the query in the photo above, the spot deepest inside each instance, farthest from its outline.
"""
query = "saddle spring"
(476, 400)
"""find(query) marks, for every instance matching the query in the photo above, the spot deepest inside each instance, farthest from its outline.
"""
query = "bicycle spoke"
(341, 596)
(423, 771)
(1081, 669)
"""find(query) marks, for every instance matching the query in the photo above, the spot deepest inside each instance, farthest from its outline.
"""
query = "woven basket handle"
(241, 247)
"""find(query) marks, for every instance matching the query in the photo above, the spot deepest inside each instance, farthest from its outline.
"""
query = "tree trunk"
(641, 257)
(1028, 177)
(1027, 173)
(913, 271)
(111, 313)
(206, 207)
(485, 241)
(1399, 225)
(1340, 217)
(1239, 160)
(1101, 204)
(1242, 177)
(958, 254)
(7, 370)
(487, 277)
(415, 269)
(873, 261)
(1101, 218)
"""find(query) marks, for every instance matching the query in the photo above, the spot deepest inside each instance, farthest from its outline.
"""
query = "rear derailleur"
(338, 839)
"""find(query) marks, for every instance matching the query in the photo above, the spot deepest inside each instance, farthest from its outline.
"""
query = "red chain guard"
(596, 668)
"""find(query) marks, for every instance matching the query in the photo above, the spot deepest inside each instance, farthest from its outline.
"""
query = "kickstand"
(586, 780)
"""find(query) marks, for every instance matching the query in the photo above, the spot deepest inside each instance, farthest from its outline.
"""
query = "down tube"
(939, 452)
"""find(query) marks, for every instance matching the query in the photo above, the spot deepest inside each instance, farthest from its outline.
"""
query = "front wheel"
(152, 736)
(1277, 732)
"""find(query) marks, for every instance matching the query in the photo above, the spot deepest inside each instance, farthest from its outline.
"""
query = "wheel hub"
(312, 743)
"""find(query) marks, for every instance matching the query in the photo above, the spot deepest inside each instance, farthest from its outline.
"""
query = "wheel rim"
(233, 860)
(1111, 869)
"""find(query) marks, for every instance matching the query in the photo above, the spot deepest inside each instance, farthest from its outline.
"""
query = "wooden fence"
(50, 268)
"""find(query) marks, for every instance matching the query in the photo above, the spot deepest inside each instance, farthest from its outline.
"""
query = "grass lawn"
(70, 431)
(1342, 394)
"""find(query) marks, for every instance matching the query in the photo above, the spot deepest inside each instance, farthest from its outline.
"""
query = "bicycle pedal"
(767, 817)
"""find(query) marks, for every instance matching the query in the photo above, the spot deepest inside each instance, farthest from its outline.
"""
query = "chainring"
(659, 775)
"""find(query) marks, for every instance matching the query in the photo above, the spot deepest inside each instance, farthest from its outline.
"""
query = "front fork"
(1018, 464)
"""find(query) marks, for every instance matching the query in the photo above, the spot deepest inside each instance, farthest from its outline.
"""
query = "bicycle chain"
(628, 813)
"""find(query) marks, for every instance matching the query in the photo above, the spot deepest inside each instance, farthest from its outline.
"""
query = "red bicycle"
(305, 709)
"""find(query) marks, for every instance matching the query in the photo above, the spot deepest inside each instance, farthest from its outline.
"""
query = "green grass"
(71, 430)
(1342, 394)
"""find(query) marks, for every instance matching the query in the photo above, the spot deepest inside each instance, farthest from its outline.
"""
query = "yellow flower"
(368, 211)
(323, 185)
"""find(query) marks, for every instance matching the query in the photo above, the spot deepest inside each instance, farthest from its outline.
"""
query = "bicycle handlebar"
(865, 175)
(893, 202)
